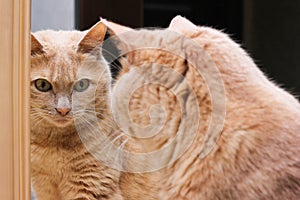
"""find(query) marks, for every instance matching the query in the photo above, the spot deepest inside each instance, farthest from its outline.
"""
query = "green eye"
(81, 85)
(43, 85)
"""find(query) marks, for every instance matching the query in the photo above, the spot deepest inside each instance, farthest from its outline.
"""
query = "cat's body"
(256, 155)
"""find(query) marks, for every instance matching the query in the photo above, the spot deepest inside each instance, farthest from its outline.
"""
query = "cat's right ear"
(36, 46)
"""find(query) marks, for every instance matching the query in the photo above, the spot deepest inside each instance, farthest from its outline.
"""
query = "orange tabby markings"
(61, 166)
(255, 157)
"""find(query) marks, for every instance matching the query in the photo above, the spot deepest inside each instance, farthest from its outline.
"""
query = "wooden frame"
(14, 100)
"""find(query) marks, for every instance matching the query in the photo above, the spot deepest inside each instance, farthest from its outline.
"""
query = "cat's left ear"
(93, 38)
(182, 25)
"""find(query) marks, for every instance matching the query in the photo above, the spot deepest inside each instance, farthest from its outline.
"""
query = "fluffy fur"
(61, 166)
(255, 157)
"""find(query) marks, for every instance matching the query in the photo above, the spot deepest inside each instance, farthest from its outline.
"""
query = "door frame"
(14, 100)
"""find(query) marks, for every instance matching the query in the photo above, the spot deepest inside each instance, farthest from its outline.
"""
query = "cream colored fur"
(61, 166)
(255, 156)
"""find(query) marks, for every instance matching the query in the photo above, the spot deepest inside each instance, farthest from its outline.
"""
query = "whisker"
(89, 123)
(123, 144)
(108, 143)
(87, 111)
(37, 121)
(119, 157)
(109, 123)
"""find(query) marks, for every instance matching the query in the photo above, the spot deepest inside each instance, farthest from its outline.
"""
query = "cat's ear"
(121, 36)
(116, 28)
(115, 47)
(112, 49)
(93, 38)
(36, 46)
(182, 25)
(123, 33)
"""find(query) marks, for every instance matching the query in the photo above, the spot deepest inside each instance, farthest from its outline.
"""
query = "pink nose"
(63, 111)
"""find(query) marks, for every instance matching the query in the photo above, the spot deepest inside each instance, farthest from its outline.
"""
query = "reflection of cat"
(257, 154)
(61, 166)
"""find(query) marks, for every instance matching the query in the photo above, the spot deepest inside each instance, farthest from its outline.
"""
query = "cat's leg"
(90, 182)
(44, 189)
(71, 190)
(140, 186)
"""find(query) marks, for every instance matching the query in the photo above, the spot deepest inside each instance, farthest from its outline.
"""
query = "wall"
(52, 14)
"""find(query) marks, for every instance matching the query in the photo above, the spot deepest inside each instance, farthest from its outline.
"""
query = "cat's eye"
(81, 85)
(42, 85)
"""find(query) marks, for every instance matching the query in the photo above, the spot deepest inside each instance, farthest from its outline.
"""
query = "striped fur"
(256, 156)
(61, 166)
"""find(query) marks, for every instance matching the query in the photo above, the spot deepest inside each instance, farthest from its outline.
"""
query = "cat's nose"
(63, 111)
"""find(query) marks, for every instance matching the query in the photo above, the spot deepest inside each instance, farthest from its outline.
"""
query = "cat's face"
(69, 77)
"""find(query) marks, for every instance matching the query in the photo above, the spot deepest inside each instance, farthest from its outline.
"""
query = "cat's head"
(69, 77)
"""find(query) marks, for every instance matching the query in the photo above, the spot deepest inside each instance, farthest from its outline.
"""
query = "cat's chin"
(62, 122)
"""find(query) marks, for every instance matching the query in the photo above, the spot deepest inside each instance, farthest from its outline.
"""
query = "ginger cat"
(70, 94)
(223, 130)
(63, 74)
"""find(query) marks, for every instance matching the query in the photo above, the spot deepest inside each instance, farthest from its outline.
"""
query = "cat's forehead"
(60, 62)
(67, 68)
(59, 51)
(56, 39)
(55, 68)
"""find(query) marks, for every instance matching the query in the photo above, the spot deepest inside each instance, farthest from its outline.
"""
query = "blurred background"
(269, 30)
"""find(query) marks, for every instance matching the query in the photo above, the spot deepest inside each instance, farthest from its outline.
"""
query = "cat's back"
(256, 156)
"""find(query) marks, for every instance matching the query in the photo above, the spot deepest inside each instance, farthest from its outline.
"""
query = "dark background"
(268, 29)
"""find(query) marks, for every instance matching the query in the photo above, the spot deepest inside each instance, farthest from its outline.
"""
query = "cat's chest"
(50, 161)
